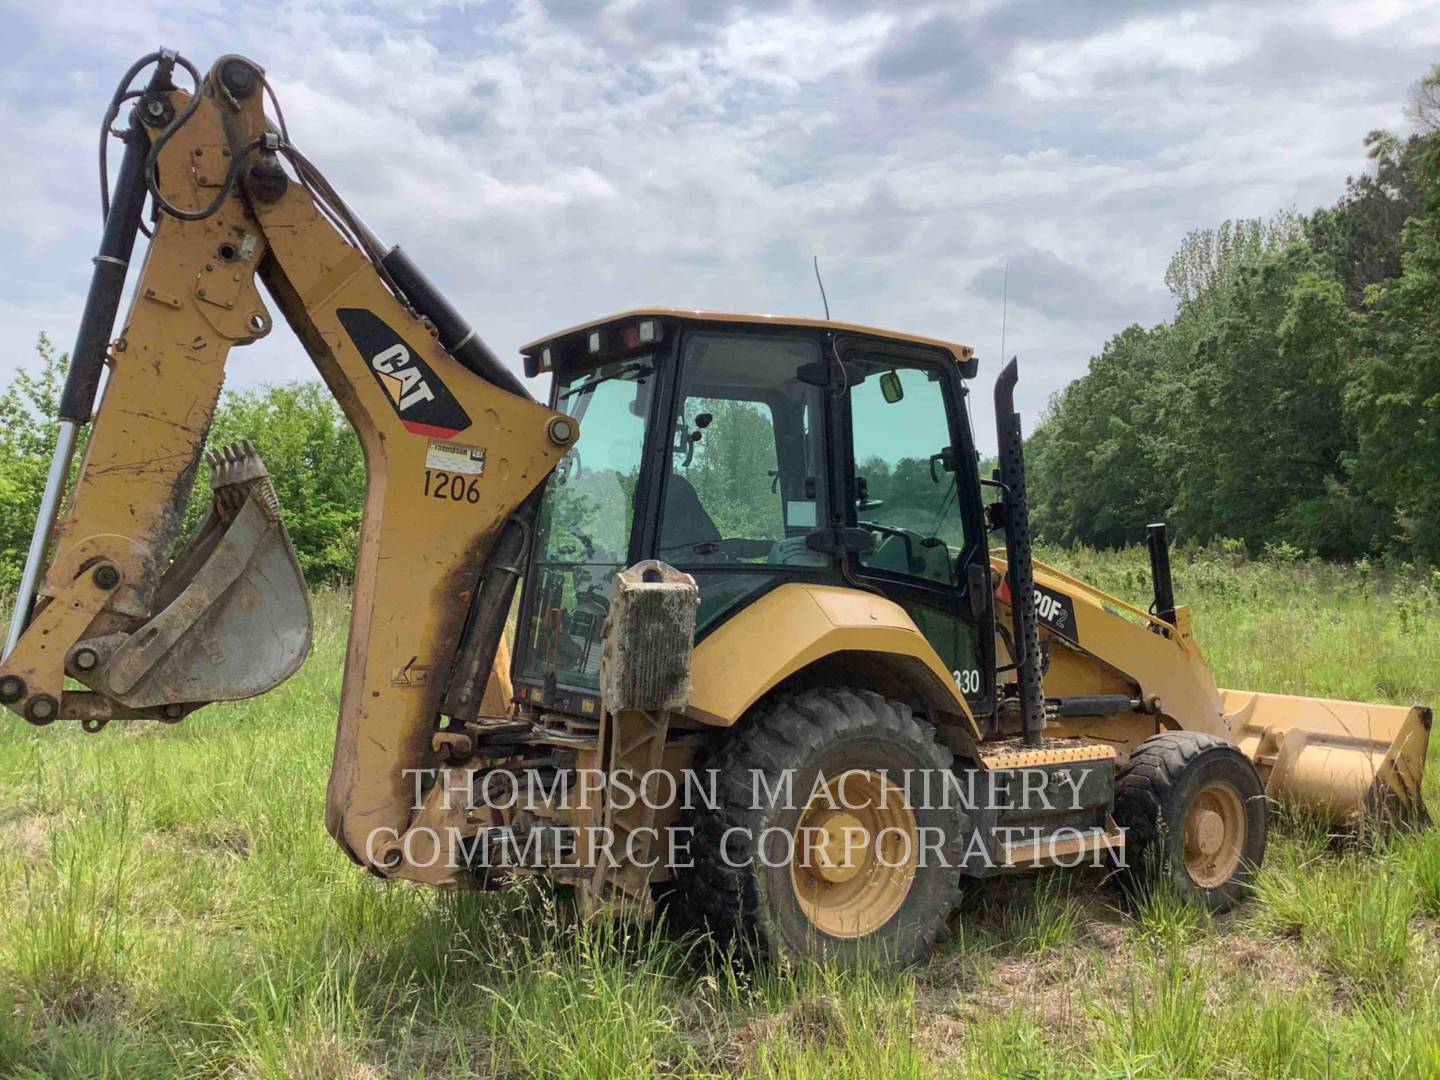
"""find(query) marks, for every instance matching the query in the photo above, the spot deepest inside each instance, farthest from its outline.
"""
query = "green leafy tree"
(27, 441)
(1207, 258)
(1268, 428)
(1363, 233)
(315, 463)
(1294, 400)
(1395, 398)
(1098, 460)
(731, 468)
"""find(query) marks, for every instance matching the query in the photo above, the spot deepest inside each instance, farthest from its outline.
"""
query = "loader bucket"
(1342, 760)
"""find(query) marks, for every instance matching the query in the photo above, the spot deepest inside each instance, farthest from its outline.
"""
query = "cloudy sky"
(552, 160)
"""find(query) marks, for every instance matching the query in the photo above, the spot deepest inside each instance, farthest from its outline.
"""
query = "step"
(1070, 848)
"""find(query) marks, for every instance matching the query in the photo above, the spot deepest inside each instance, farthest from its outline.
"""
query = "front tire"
(1195, 815)
(872, 874)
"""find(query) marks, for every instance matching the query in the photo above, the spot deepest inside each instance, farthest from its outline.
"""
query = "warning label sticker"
(455, 458)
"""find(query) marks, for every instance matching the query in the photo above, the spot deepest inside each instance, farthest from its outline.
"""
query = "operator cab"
(750, 451)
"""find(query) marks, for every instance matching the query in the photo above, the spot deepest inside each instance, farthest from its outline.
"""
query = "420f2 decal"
(1054, 609)
(416, 393)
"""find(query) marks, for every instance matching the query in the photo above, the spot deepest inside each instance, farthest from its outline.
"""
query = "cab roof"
(963, 355)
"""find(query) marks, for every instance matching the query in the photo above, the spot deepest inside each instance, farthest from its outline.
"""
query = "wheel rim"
(1213, 834)
(855, 854)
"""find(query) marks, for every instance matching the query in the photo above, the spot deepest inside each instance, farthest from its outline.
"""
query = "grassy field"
(170, 904)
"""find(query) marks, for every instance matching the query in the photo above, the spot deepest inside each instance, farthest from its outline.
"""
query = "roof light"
(545, 360)
(594, 341)
(649, 331)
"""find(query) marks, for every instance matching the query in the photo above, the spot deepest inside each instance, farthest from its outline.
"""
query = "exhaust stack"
(1018, 555)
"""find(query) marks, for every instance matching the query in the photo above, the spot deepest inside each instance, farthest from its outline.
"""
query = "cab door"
(913, 484)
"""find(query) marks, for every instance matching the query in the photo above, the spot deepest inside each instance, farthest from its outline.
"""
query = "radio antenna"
(823, 299)
(1004, 308)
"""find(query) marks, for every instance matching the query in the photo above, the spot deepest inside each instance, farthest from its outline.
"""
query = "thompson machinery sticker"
(419, 398)
(455, 458)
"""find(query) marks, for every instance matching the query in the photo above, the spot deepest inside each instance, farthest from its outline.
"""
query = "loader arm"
(453, 448)
(1345, 762)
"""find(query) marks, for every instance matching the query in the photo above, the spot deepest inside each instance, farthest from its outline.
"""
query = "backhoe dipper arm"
(453, 448)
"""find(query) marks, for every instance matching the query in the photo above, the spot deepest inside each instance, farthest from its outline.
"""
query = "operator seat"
(684, 520)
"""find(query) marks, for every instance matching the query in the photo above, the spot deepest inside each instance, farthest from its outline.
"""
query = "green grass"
(170, 904)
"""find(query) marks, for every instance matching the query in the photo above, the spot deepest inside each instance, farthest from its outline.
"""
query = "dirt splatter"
(28, 837)
(316, 1055)
(812, 1022)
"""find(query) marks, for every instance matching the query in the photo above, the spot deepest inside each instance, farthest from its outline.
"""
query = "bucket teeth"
(236, 472)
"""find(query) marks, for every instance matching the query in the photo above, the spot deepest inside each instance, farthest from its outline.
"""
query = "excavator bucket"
(1345, 761)
(233, 612)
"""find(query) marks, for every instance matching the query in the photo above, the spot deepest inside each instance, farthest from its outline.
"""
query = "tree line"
(1293, 402)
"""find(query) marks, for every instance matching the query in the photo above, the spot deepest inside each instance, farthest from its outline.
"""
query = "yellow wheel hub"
(1213, 835)
(856, 853)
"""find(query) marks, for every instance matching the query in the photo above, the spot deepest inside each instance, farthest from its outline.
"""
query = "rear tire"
(877, 905)
(1195, 816)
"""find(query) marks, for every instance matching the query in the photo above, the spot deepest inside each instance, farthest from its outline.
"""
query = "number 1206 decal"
(453, 486)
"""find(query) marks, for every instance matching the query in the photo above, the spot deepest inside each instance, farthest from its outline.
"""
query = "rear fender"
(796, 626)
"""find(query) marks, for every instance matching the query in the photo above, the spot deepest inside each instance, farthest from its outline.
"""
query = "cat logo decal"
(419, 398)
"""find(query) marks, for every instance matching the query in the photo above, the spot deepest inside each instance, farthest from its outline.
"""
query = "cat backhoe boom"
(106, 601)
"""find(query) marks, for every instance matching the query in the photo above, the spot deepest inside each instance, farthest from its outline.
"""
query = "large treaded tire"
(831, 729)
(1153, 794)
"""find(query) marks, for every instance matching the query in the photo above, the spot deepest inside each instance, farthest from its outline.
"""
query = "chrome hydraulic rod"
(92, 340)
(44, 527)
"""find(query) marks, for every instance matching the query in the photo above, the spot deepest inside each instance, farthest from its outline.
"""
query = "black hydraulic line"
(123, 93)
(1018, 555)
(485, 621)
(107, 280)
(456, 335)
(1096, 705)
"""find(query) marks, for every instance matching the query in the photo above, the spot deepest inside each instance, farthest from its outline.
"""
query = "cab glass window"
(582, 535)
(746, 480)
(905, 462)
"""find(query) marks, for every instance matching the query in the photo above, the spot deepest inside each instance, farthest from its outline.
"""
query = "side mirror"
(890, 387)
(995, 515)
(946, 460)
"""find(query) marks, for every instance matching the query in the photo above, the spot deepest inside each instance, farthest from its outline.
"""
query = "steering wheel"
(912, 564)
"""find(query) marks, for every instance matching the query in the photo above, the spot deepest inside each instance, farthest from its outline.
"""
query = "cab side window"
(747, 464)
(905, 463)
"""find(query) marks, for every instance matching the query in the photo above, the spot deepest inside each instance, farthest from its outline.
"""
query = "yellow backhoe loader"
(763, 657)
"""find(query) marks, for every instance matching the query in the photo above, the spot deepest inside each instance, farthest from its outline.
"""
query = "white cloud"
(1352, 19)
(1188, 44)
(547, 163)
